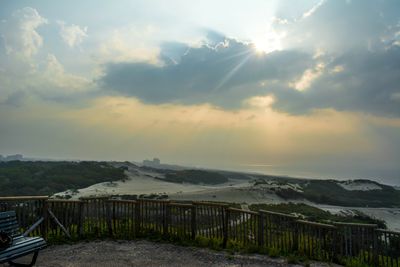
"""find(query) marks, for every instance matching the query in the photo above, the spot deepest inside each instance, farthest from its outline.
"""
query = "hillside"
(196, 177)
(356, 193)
(42, 178)
(315, 214)
(46, 178)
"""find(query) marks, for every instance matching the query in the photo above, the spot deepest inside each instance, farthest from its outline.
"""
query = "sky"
(305, 88)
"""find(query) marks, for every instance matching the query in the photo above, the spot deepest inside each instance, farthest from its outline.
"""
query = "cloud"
(221, 73)
(15, 99)
(55, 76)
(228, 73)
(47, 80)
(363, 81)
(337, 25)
(20, 32)
(130, 43)
(308, 77)
(72, 35)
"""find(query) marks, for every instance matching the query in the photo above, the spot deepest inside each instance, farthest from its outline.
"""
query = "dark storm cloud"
(223, 74)
(230, 72)
(361, 38)
(369, 82)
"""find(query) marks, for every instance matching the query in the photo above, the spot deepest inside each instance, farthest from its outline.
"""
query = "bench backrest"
(9, 223)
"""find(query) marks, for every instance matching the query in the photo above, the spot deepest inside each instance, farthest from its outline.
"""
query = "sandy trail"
(145, 253)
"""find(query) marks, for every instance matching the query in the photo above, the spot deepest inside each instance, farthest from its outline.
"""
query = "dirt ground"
(146, 254)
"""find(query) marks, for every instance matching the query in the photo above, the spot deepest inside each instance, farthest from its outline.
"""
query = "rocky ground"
(146, 253)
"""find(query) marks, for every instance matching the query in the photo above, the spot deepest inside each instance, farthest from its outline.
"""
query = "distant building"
(152, 163)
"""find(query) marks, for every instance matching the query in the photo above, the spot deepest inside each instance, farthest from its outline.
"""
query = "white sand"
(143, 182)
(359, 186)
(246, 194)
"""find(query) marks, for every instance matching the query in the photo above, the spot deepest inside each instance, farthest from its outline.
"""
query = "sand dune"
(145, 182)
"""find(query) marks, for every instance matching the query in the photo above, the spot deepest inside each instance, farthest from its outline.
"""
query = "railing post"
(167, 218)
(226, 227)
(109, 219)
(193, 221)
(336, 244)
(80, 219)
(295, 227)
(375, 247)
(45, 224)
(137, 218)
(261, 229)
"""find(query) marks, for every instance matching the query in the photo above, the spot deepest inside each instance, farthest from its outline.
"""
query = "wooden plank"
(80, 218)
(122, 201)
(23, 198)
(58, 222)
(356, 224)
(181, 205)
(54, 200)
(137, 219)
(155, 200)
(33, 227)
(44, 228)
(317, 224)
(206, 203)
(226, 228)
(261, 228)
(109, 218)
(166, 219)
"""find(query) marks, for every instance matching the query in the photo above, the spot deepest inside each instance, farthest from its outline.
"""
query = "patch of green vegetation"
(48, 177)
(353, 262)
(317, 215)
(295, 258)
(195, 177)
(329, 192)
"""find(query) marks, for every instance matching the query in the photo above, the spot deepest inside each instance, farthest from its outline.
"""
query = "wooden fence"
(129, 219)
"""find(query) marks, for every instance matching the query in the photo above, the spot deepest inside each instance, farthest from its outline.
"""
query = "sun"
(262, 47)
(267, 42)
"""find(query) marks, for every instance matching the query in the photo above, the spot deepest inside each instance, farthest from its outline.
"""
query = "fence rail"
(129, 219)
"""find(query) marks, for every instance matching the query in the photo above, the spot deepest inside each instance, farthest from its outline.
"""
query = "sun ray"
(229, 75)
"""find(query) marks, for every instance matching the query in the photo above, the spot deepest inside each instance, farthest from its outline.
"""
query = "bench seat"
(20, 247)
(21, 244)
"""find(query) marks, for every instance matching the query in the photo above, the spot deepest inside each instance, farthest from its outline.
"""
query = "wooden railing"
(129, 219)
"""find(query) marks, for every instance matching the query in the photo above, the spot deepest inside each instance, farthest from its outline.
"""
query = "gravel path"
(146, 254)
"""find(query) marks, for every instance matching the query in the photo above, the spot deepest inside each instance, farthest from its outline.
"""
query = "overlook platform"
(146, 254)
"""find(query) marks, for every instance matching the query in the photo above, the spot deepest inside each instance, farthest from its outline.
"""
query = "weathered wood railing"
(28, 209)
(128, 219)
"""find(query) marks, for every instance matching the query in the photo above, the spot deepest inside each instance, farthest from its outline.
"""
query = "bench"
(21, 245)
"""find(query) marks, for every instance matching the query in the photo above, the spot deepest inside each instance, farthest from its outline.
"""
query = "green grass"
(317, 215)
(330, 192)
(19, 178)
